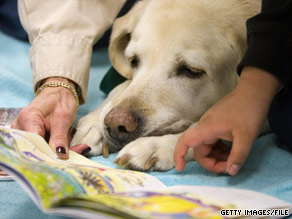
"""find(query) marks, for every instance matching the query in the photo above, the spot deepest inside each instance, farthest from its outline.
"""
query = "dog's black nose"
(122, 124)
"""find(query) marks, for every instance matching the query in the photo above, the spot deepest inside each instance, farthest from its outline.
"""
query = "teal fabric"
(268, 169)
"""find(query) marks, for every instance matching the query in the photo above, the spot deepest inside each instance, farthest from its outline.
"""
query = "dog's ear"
(236, 31)
(121, 36)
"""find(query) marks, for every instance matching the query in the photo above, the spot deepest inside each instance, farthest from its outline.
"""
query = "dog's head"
(181, 57)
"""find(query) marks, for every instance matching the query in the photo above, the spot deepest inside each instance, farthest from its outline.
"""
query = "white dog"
(180, 57)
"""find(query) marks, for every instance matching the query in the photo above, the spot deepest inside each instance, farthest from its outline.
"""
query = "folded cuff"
(56, 56)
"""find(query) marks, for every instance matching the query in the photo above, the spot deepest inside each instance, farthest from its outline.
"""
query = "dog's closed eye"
(186, 71)
(134, 61)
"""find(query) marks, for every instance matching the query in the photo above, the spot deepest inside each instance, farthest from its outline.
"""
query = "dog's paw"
(148, 153)
(87, 132)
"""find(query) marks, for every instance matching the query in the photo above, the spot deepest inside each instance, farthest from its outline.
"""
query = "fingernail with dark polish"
(85, 151)
(61, 150)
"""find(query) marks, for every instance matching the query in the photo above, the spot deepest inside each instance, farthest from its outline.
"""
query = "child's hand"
(238, 117)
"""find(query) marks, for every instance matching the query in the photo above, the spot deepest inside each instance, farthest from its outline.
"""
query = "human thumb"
(238, 154)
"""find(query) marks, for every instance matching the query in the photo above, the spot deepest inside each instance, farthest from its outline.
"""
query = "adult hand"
(238, 117)
(52, 112)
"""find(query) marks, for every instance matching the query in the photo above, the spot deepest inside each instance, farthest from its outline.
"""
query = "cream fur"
(205, 35)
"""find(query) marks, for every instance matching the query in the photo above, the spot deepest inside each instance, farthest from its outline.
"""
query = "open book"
(7, 116)
(79, 187)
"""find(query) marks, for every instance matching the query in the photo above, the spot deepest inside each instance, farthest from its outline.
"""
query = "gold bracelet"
(59, 84)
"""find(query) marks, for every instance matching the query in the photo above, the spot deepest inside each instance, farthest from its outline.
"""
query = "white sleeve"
(62, 33)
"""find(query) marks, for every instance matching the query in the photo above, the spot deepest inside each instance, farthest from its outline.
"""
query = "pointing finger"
(59, 129)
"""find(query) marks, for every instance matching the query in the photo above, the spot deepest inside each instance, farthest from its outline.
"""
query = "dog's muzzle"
(122, 126)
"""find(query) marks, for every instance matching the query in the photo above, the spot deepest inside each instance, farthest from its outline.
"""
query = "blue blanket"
(268, 168)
